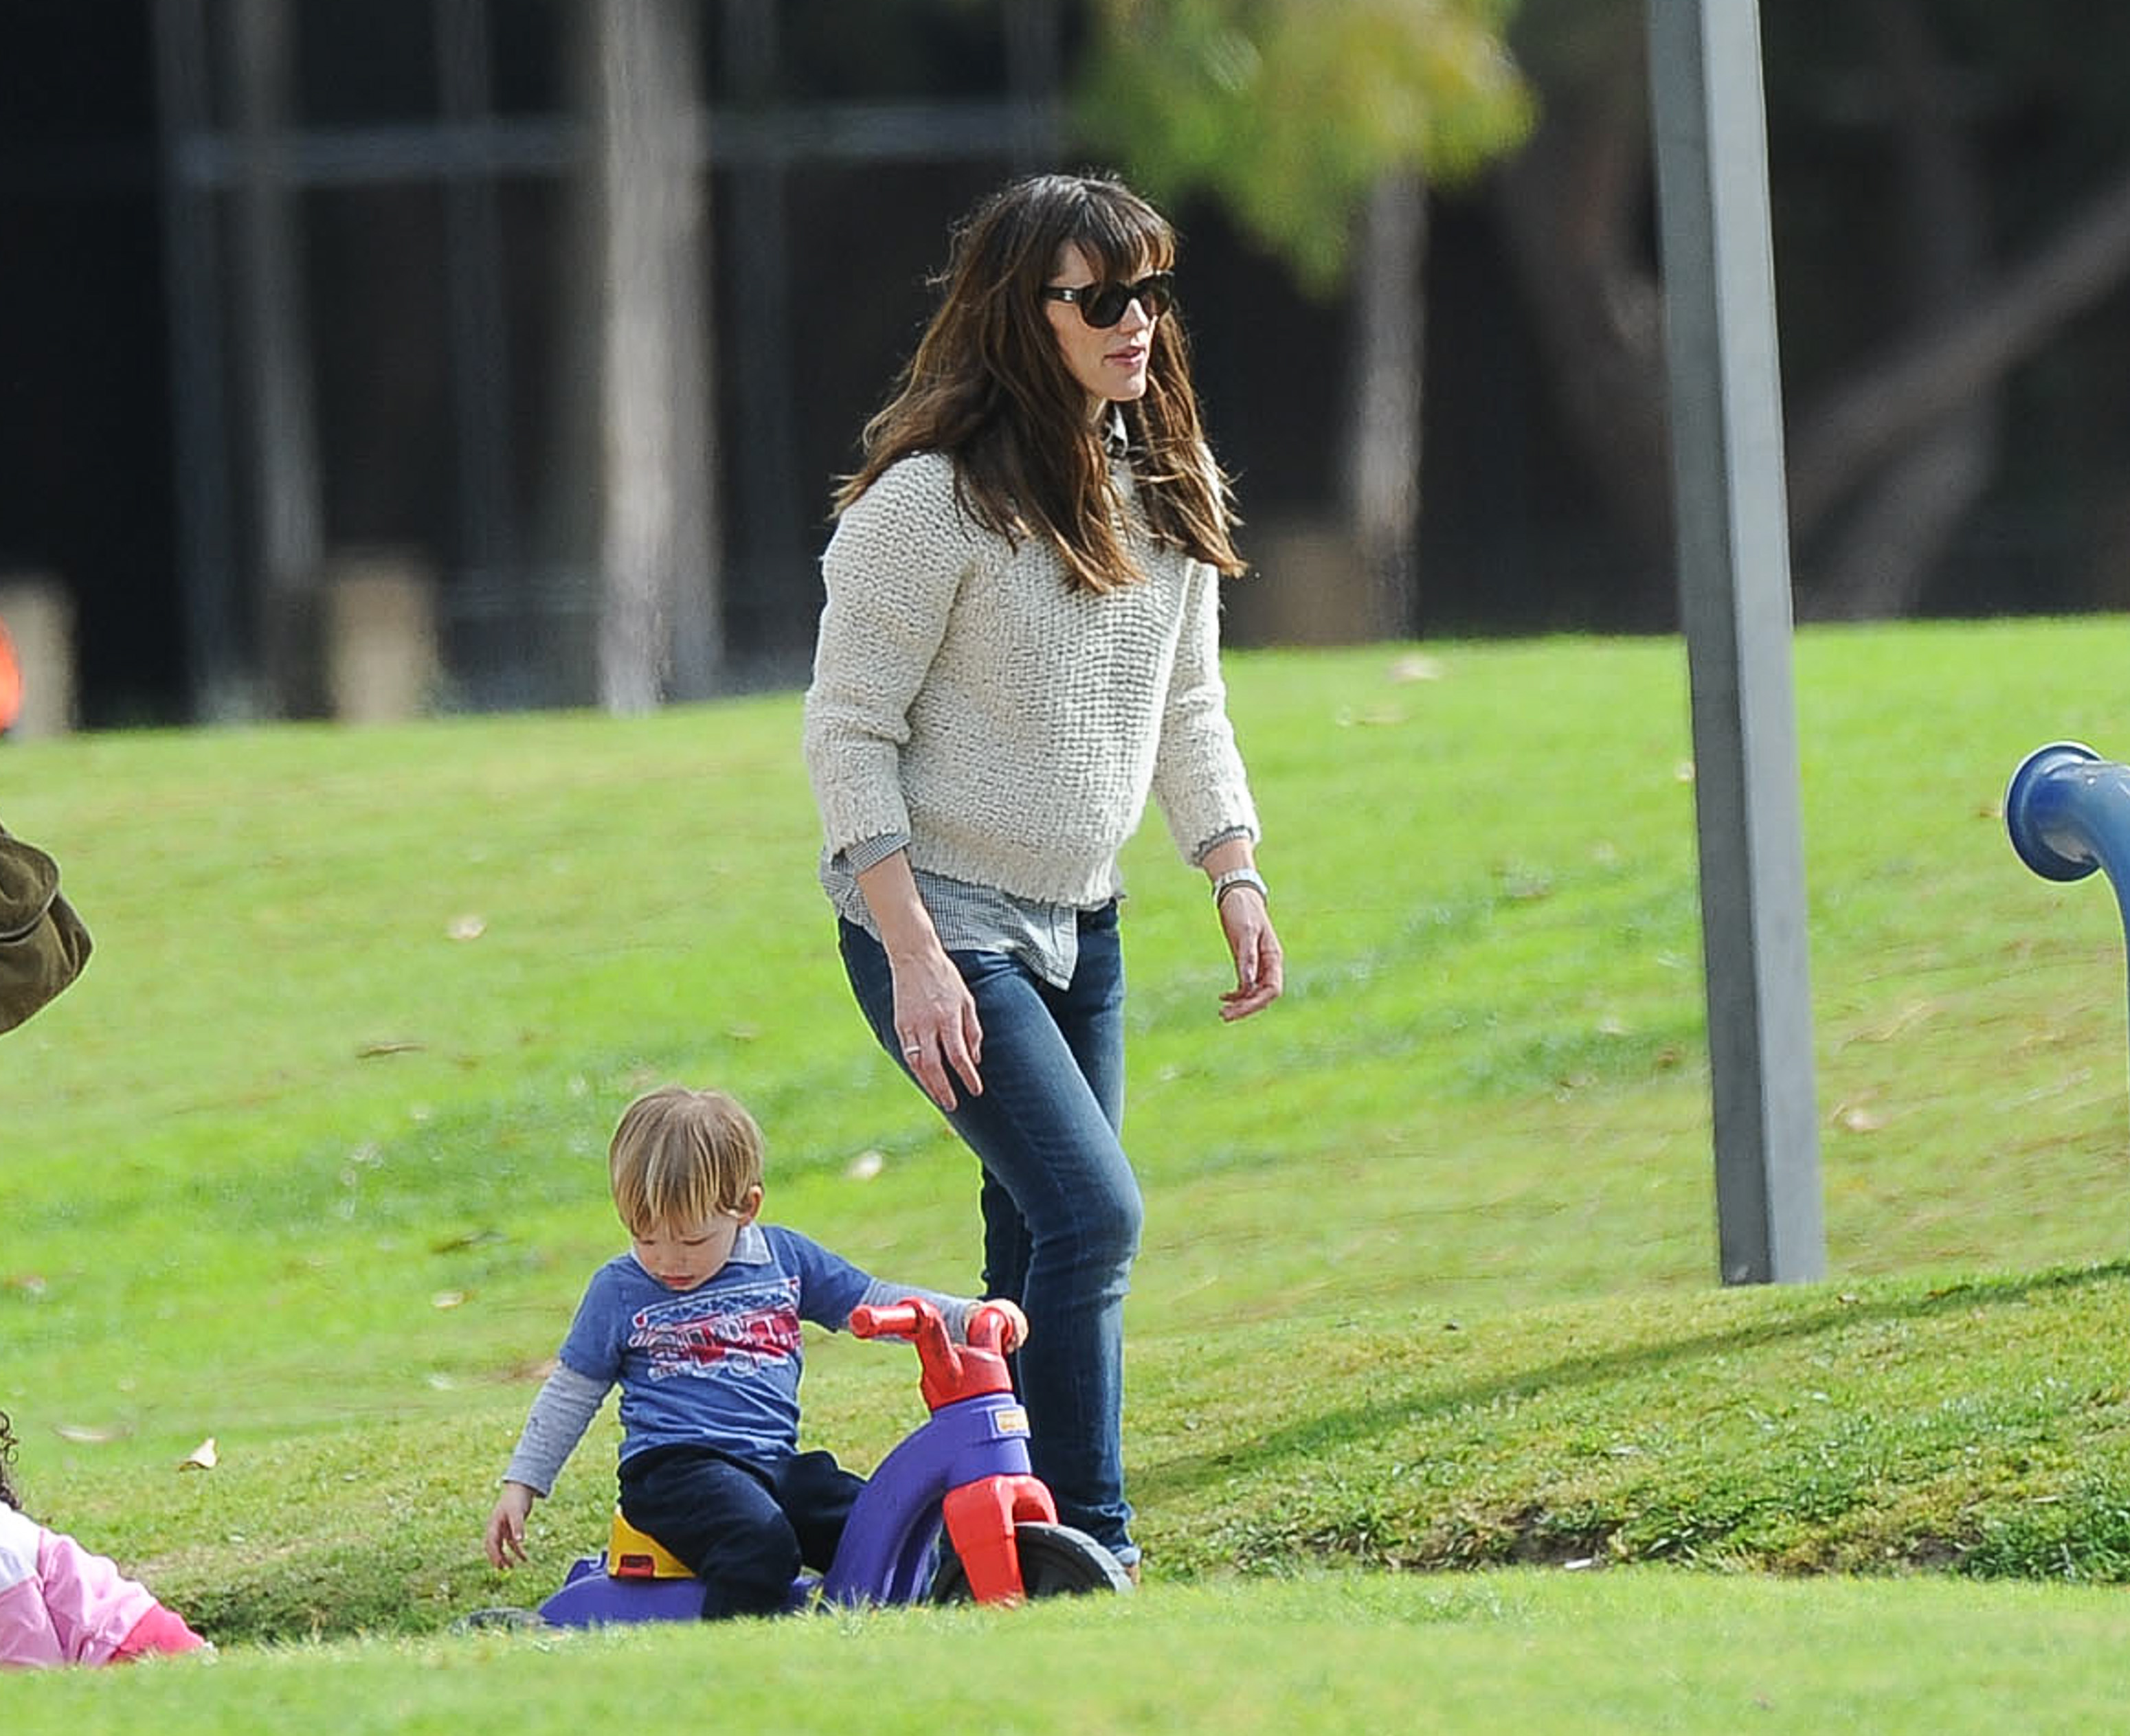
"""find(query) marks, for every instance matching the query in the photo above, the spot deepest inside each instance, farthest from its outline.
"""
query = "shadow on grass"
(1829, 1312)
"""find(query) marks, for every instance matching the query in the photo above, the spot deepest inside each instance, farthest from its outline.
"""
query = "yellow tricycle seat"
(634, 1554)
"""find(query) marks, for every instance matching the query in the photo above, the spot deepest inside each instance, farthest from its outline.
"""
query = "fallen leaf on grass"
(202, 1457)
(467, 928)
(370, 1050)
(1417, 667)
(81, 1434)
(1524, 885)
(466, 1239)
(1914, 1013)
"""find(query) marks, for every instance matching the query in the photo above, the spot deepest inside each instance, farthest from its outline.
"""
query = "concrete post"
(383, 663)
(40, 616)
(1735, 599)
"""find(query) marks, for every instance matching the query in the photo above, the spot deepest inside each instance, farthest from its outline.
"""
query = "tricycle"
(953, 1513)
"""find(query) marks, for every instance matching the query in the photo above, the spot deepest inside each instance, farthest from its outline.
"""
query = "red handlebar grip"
(884, 1320)
(987, 1327)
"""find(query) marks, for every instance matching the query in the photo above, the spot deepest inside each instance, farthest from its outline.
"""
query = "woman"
(1021, 642)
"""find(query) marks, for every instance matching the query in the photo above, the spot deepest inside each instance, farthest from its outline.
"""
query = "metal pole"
(216, 636)
(1735, 601)
(759, 344)
(275, 359)
(481, 425)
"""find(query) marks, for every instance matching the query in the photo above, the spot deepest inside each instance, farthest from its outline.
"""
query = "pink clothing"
(160, 1630)
(60, 1604)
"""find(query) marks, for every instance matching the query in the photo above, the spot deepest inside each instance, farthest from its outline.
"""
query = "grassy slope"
(1430, 1250)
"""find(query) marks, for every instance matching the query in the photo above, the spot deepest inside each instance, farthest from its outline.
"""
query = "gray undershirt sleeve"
(954, 1310)
(561, 1414)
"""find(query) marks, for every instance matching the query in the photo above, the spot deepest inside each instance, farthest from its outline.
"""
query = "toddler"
(698, 1323)
(61, 1604)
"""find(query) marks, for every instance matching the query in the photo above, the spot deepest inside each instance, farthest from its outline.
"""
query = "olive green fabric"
(43, 945)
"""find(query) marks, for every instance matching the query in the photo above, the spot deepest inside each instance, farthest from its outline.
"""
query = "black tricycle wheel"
(1055, 1561)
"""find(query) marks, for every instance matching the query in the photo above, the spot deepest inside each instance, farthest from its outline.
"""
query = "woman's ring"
(912, 1048)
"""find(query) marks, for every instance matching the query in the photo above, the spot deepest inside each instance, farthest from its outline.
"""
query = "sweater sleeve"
(891, 570)
(1199, 779)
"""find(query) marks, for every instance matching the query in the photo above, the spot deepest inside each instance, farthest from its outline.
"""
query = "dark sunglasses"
(1103, 305)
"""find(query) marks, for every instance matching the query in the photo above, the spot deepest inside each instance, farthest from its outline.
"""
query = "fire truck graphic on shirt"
(719, 1332)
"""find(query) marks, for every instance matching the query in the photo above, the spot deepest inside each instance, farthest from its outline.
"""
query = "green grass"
(1634, 1650)
(311, 1163)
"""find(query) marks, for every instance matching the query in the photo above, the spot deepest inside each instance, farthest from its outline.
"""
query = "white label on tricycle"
(1009, 1420)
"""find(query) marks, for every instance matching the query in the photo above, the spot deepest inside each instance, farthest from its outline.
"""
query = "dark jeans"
(1060, 1206)
(744, 1529)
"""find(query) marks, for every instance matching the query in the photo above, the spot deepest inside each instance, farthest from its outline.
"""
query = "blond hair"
(679, 1156)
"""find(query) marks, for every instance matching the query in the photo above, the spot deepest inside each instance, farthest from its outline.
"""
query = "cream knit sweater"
(1012, 726)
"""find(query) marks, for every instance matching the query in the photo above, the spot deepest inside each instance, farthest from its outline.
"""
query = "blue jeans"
(1060, 1206)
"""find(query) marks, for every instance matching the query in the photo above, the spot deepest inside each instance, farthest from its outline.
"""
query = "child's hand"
(1016, 1322)
(506, 1525)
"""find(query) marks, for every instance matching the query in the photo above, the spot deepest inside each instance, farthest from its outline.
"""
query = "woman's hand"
(936, 1024)
(935, 1016)
(1260, 969)
(1246, 921)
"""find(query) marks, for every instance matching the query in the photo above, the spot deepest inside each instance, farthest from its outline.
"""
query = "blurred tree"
(656, 532)
(1318, 125)
(1933, 296)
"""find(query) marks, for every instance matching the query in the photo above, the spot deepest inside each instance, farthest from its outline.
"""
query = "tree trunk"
(1941, 368)
(1881, 557)
(1383, 436)
(655, 542)
(1573, 205)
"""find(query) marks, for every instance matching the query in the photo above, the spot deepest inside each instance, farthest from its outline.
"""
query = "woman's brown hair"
(988, 386)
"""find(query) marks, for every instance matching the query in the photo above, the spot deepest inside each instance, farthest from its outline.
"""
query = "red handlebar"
(987, 1327)
(949, 1374)
(988, 1322)
(885, 1320)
